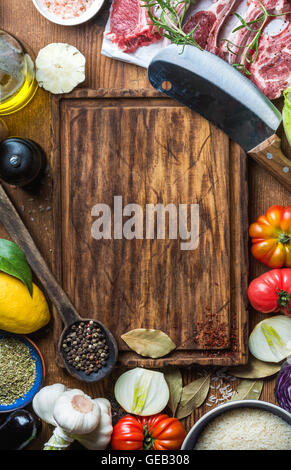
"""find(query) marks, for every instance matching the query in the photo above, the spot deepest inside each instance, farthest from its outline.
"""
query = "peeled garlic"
(60, 68)
(76, 413)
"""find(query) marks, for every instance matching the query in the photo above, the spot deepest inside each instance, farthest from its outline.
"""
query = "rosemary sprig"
(251, 49)
(168, 17)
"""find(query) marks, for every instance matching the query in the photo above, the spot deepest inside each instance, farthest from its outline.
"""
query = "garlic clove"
(76, 413)
(44, 402)
(101, 436)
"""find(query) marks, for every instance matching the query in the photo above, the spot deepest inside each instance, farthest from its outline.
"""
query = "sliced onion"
(270, 340)
(286, 113)
(142, 392)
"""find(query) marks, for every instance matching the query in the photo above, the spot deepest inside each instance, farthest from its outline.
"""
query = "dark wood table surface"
(38, 207)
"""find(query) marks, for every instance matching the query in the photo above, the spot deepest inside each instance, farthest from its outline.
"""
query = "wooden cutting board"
(148, 149)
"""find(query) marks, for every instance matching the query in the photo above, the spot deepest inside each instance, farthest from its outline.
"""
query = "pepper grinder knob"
(21, 161)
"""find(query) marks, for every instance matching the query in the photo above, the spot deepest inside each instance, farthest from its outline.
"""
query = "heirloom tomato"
(271, 237)
(271, 292)
(158, 432)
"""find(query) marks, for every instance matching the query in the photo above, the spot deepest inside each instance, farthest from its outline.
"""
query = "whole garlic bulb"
(60, 68)
(76, 413)
(44, 402)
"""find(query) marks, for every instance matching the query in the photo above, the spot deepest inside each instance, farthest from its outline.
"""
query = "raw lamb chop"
(130, 26)
(205, 20)
(244, 35)
(210, 23)
(271, 72)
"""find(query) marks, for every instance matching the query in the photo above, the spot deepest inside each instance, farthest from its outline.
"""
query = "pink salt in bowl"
(52, 15)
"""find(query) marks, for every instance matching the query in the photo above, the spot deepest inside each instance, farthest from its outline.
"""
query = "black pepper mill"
(21, 161)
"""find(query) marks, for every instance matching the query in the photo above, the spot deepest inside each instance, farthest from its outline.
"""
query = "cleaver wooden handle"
(269, 155)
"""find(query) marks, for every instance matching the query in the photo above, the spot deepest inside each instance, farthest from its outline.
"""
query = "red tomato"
(158, 432)
(271, 292)
(271, 237)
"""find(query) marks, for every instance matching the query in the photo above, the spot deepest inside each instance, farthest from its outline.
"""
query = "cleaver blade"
(224, 96)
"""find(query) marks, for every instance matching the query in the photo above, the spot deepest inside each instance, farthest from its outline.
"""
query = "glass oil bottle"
(17, 75)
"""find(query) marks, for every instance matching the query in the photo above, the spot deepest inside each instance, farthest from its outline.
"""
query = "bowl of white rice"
(241, 425)
(68, 12)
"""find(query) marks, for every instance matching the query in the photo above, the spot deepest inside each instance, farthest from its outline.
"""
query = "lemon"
(19, 312)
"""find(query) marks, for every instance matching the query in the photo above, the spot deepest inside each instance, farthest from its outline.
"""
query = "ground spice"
(85, 347)
(17, 370)
(209, 334)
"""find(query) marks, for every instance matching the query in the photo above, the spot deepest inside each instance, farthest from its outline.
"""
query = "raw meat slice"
(271, 72)
(222, 9)
(209, 23)
(206, 20)
(130, 25)
(244, 36)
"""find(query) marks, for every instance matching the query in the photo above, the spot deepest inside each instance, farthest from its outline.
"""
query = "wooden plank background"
(39, 208)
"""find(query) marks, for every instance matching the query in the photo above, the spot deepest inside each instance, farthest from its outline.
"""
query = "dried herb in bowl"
(17, 370)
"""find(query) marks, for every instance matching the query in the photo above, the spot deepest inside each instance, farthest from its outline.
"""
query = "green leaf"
(254, 369)
(248, 390)
(174, 380)
(193, 396)
(149, 343)
(13, 261)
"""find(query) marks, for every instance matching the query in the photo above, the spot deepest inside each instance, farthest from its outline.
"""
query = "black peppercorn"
(80, 347)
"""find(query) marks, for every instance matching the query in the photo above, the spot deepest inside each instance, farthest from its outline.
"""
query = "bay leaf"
(174, 380)
(248, 390)
(149, 343)
(193, 395)
(13, 262)
(254, 369)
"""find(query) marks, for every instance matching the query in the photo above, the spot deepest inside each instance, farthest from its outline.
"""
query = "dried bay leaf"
(149, 343)
(254, 369)
(174, 380)
(193, 395)
(248, 390)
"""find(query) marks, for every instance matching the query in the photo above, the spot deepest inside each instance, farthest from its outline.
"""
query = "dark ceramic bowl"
(197, 429)
(111, 361)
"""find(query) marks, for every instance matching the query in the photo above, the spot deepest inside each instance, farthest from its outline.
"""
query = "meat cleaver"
(220, 93)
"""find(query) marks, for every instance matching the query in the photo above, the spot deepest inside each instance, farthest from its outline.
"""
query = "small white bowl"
(83, 18)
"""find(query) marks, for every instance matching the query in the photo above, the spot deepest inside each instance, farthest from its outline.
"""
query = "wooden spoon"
(19, 233)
